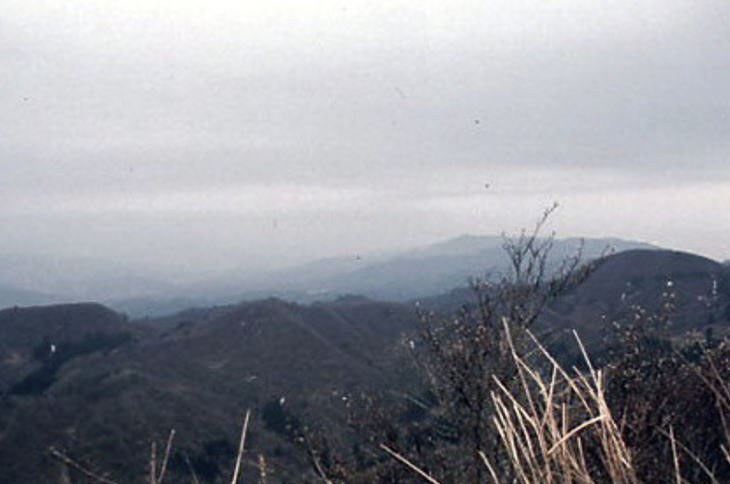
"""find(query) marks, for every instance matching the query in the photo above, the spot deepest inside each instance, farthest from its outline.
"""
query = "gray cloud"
(362, 111)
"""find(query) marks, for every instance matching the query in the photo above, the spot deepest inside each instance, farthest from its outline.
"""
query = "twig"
(192, 470)
(168, 448)
(489, 467)
(241, 445)
(70, 462)
(675, 456)
(318, 468)
(409, 464)
(153, 463)
(694, 457)
(574, 431)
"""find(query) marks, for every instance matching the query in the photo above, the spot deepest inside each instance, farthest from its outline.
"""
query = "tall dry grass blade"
(57, 454)
(725, 453)
(166, 457)
(505, 429)
(534, 425)
(153, 463)
(694, 457)
(581, 457)
(489, 467)
(241, 445)
(574, 431)
(527, 447)
(584, 353)
(192, 470)
(617, 454)
(549, 399)
(557, 366)
(675, 456)
(320, 471)
(520, 370)
(409, 464)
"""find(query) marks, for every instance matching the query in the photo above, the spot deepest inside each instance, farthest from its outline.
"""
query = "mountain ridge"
(399, 275)
(293, 364)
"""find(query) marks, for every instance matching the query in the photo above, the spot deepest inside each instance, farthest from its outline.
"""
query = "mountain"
(623, 282)
(36, 339)
(118, 384)
(412, 274)
(395, 276)
(697, 288)
(443, 266)
(85, 379)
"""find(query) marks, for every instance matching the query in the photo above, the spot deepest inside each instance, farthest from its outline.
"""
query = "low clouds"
(366, 113)
(266, 200)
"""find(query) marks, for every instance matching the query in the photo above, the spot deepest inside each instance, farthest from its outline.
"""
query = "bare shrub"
(464, 356)
(672, 397)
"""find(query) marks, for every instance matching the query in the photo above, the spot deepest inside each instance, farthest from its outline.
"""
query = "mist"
(255, 136)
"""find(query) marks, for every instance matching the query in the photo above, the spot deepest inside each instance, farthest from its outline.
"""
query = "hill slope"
(112, 385)
(646, 279)
(196, 373)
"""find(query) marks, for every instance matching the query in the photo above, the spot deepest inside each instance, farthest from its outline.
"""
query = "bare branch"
(241, 445)
(57, 454)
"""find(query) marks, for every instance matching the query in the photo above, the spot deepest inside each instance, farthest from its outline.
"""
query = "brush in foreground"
(547, 423)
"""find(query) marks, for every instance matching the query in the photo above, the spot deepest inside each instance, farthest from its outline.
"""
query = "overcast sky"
(199, 134)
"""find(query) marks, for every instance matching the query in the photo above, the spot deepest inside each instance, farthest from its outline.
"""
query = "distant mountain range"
(443, 266)
(400, 276)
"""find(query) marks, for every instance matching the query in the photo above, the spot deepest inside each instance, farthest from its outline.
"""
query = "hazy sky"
(189, 134)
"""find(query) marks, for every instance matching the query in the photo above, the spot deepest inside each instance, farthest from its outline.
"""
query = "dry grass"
(241, 446)
(156, 475)
(548, 424)
(556, 426)
(94, 476)
(425, 475)
(553, 426)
